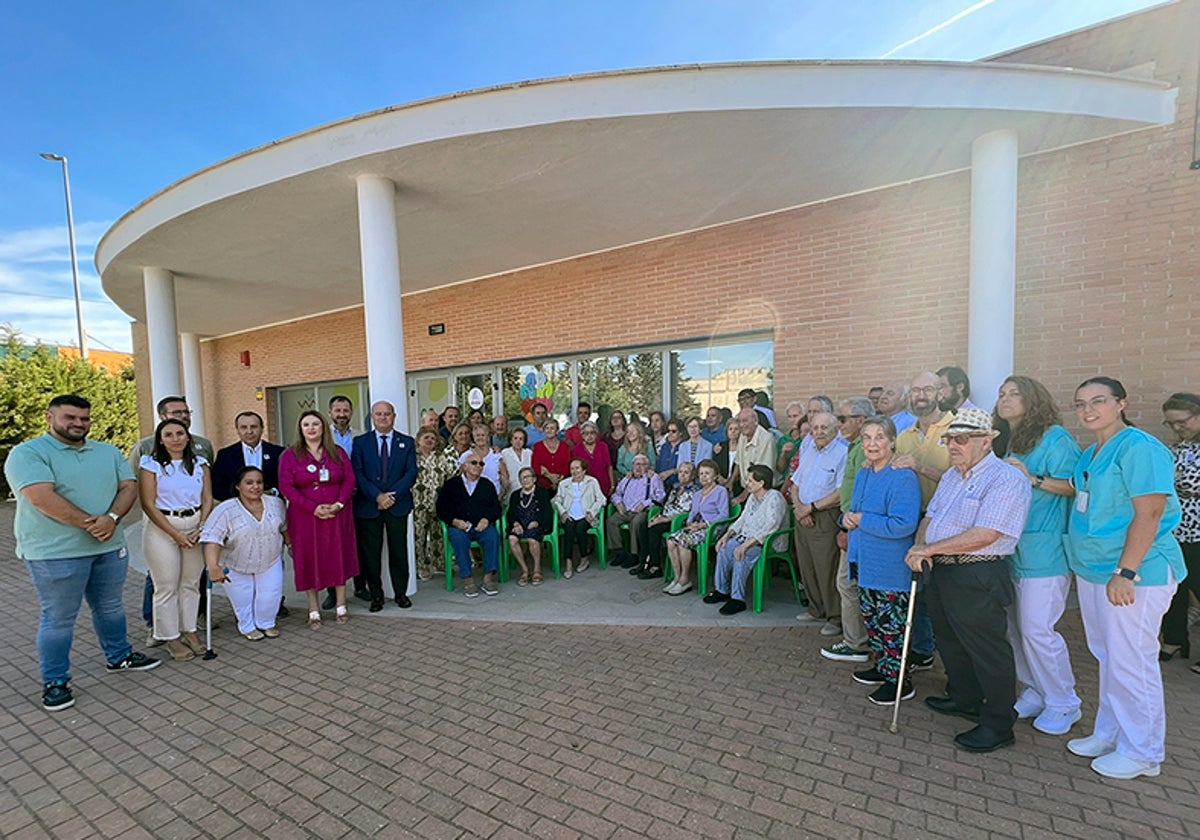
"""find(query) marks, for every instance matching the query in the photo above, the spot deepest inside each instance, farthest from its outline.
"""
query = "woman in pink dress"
(317, 480)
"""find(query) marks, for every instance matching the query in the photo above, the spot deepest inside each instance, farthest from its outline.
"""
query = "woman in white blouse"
(243, 548)
(176, 494)
(578, 503)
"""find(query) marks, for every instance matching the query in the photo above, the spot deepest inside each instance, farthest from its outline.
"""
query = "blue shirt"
(890, 504)
(1129, 465)
(1042, 549)
(714, 436)
(903, 419)
(345, 441)
(668, 457)
(86, 476)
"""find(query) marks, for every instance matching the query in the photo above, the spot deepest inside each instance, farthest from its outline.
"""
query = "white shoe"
(1056, 722)
(1116, 766)
(681, 588)
(1092, 746)
(831, 629)
(667, 589)
(1029, 704)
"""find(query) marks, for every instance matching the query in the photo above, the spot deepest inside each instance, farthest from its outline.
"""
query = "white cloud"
(36, 287)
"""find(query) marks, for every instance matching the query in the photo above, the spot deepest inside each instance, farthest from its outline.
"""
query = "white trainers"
(670, 586)
(1116, 766)
(1092, 746)
(1029, 704)
(1056, 721)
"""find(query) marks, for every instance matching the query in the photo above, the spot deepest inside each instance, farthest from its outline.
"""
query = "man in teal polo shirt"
(71, 493)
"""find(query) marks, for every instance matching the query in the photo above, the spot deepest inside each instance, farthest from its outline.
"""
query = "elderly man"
(874, 395)
(894, 403)
(756, 446)
(853, 646)
(71, 494)
(633, 497)
(817, 505)
(429, 418)
(972, 526)
(499, 427)
(470, 508)
(954, 389)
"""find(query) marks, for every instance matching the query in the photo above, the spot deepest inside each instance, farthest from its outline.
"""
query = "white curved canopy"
(503, 178)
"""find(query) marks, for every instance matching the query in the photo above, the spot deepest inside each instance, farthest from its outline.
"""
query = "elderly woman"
(635, 444)
(1181, 414)
(710, 503)
(434, 466)
(597, 456)
(1126, 566)
(317, 480)
(1046, 454)
(551, 457)
(516, 456)
(739, 548)
(882, 519)
(530, 517)
(632, 498)
(678, 501)
(243, 548)
(175, 490)
(494, 468)
(578, 503)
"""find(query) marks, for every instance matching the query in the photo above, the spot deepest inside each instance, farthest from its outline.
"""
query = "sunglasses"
(961, 439)
(475, 463)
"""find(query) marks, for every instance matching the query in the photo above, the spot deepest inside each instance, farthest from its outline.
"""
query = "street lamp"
(74, 261)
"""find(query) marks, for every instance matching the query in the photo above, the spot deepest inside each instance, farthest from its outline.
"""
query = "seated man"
(633, 497)
(470, 508)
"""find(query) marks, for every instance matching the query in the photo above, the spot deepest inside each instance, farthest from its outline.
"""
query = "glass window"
(548, 383)
(713, 375)
(631, 383)
(294, 400)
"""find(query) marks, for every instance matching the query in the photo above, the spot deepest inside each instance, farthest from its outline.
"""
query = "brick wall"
(857, 291)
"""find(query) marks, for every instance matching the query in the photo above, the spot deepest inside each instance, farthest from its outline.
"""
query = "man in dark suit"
(250, 451)
(385, 469)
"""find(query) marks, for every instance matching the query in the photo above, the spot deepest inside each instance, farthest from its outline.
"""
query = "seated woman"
(516, 456)
(885, 508)
(678, 501)
(709, 504)
(578, 503)
(551, 457)
(243, 544)
(529, 519)
(176, 494)
(494, 468)
(597, 456)
(739, 548)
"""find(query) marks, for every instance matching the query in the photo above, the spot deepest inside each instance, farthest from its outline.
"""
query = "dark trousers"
(371, 534)
(968, 605)
(658, 543)
(1175, 622)
(575, 532)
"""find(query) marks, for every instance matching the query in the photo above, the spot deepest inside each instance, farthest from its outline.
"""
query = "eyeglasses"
(931, 390)
(672, 430)
(1176, 425)
(475, 463)
(842, 418)
(962, 439)
(1094, 402)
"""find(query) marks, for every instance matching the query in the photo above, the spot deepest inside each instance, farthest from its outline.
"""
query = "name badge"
(1081, 501)
(312, 468)
(323, 475)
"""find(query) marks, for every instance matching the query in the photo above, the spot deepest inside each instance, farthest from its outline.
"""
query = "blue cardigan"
(890, 504)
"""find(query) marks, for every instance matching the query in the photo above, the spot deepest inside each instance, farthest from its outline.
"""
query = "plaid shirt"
(991, 495)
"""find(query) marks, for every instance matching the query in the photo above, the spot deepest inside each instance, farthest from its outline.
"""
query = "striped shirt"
(992, 495)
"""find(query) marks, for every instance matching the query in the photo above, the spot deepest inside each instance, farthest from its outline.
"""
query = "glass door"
(427, 393)
(475, 389)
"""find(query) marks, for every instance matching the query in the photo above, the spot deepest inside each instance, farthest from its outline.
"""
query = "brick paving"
(431, 728)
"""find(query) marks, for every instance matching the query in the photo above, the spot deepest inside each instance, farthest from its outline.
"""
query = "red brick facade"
(856, 290)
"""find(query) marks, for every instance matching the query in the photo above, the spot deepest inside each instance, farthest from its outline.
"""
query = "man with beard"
(954, 388)
(341, 409)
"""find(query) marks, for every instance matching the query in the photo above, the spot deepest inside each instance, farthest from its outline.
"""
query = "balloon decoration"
(534, 390)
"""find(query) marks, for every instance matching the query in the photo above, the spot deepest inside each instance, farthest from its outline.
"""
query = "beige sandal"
(343, 614)
(314, 619)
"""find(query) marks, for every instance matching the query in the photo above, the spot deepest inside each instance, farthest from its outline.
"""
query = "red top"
(558, 461)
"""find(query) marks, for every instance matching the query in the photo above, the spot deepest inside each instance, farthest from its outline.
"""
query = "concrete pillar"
(381, 293)
(193, 383)
(162, 333)
(993, 264)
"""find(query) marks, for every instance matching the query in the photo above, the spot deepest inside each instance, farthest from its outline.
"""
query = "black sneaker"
(870, 676)
(920, 661)
(56, 696)
(135, 661)
(732, 607)
(715, 597)
(885, 695)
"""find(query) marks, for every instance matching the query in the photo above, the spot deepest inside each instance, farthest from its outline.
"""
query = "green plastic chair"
(550, 541)
(597, 532)
(772, 551)
(448, 556)
(655, 510)
(705, 547)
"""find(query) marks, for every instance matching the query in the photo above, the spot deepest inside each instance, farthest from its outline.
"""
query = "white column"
(193, 383)
(993, 264)
(381, 293)
(161, 332)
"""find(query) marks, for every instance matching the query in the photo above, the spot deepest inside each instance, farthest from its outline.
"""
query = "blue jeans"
(730, 577)
(61, 587)
(148, 601)
(488, 539)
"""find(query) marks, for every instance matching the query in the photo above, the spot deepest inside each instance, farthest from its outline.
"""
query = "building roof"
(507, 177)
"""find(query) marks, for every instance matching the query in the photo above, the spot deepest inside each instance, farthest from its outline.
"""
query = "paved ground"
(399, 726)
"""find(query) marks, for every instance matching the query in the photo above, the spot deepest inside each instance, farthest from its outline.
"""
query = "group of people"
(988, 516)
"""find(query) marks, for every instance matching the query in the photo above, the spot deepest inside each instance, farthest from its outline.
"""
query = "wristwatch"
(1128, 574)
(114, 517)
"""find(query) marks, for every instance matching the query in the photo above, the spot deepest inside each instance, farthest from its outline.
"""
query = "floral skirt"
(688, 539)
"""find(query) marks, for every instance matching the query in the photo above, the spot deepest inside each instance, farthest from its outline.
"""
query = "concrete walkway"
(499, 718)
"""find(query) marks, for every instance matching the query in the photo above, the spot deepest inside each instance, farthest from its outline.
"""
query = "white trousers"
(176, 574)
(1040, 653)
(1124, 641)
(255, 598)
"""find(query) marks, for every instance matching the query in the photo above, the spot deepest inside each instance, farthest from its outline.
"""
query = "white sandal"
(343, 614)
(314, 619)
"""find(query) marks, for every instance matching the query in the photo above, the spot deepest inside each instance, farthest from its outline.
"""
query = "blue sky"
(139, 94)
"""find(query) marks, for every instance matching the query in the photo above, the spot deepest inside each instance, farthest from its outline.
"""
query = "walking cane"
(894, 727)
(209, 653)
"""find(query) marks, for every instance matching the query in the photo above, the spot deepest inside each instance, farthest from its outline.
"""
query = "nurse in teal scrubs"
(1127, 566)
(1046, 453)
